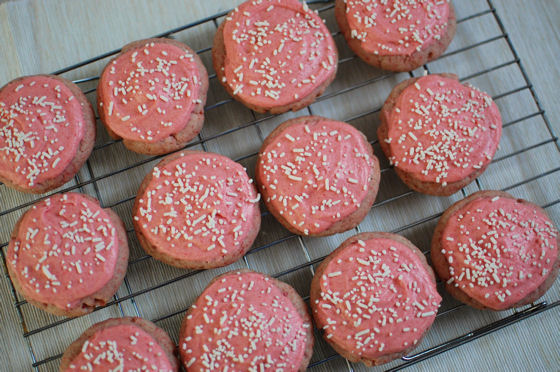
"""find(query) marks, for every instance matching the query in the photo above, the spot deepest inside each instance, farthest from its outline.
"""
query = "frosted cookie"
(67, 254)
(438, 133)
(274, 55)
(197, 210)
(374, 297)
(496, 252)
(152, 95)
(396, 35)
(47, 131)
(121, 344)
(246, 321)
(317, 176)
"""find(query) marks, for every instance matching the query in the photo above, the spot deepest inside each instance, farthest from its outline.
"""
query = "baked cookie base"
(396, 63)
(425, 187)
(84, 148)
(289, 293)
(442, 267)
(100, 298)
(219, 58)
(315, 294)
(156, 253)
(192, 127)
(157, 334)
(344, 224)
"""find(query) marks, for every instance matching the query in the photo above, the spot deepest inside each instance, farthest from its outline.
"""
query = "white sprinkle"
(292, 139)
(362, 333)
(47, 273)
(191, 362)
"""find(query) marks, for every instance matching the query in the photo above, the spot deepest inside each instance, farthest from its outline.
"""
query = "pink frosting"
(315, 173)
(41, 126)
(121, 348)
(199, 207)
(277, 52)
(499, 250)
(65, 249)
(441, 131)
(148, 92)
(376, 298)
(243, 322)
(397, 27)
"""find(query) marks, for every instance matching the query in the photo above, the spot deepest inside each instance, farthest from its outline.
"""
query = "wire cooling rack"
(277, 252)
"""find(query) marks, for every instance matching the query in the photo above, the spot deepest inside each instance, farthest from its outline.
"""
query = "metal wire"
(309, 263)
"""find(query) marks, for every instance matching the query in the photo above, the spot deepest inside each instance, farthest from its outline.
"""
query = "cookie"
(274, 55)
(152, 95)
(121, 344)
(246, 321)
(374, 297)
(317, 176)
(197, 210)
(494, 251)
(396, 35)
(68, 255)
(439, 134)
(47, 132)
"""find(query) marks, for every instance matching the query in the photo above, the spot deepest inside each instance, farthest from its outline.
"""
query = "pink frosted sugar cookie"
(396, 35)
(246, 321)
(317, 176)
(67, 254)
(495, 251)
(274, 55)
(47, 131)
(121, 344)
(197, 210)
(438, 133)
(374, 297)
(152, 95)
